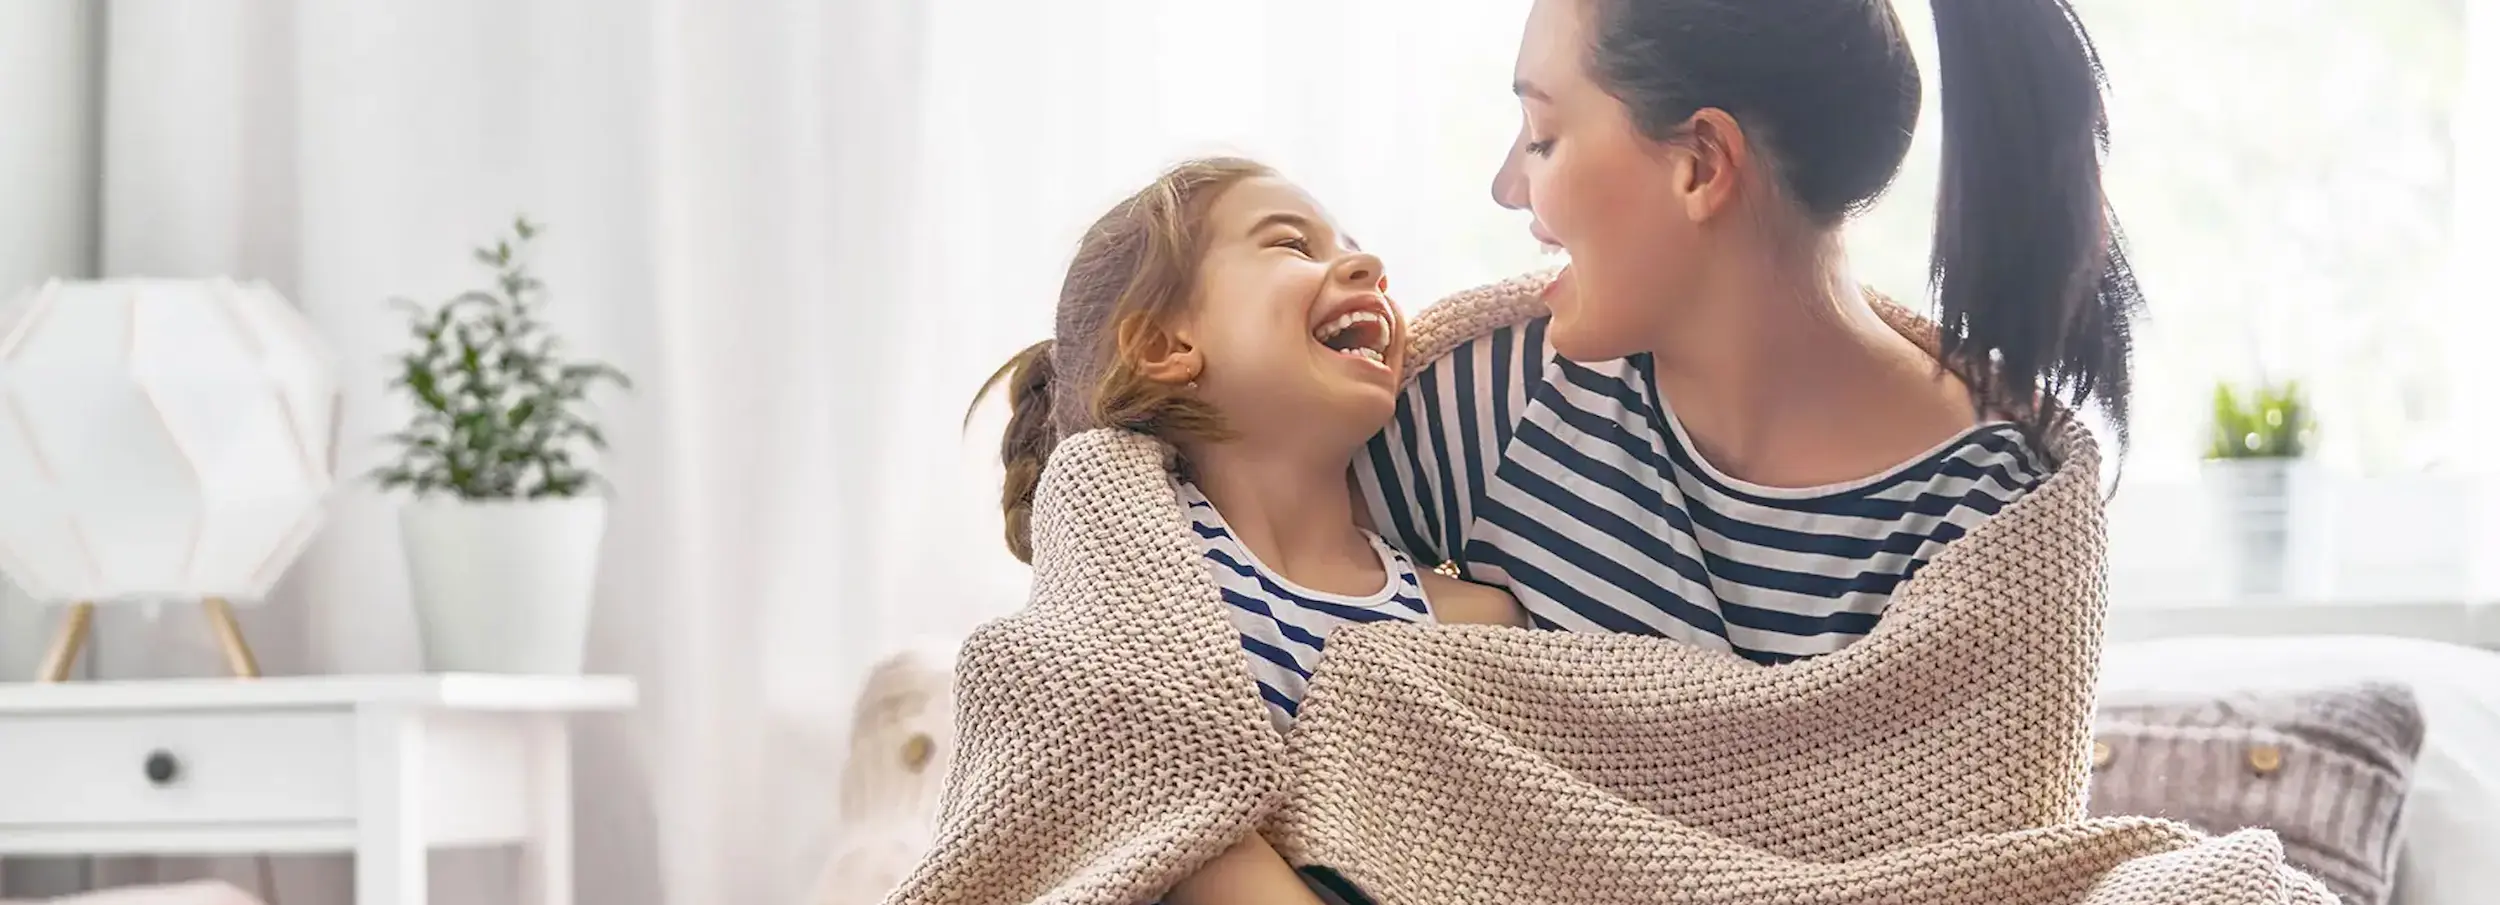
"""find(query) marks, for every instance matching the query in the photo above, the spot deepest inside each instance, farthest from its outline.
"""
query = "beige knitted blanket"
(1111, 740)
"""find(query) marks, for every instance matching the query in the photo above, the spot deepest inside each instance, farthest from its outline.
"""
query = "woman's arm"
(1458, 601)
(1249, 873)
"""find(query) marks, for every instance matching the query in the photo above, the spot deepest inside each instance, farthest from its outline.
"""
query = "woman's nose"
(1510, 185)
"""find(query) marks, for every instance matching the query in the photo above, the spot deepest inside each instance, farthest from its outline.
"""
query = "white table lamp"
(160, 439)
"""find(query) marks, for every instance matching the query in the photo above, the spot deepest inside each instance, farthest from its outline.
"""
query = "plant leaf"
(498, 412)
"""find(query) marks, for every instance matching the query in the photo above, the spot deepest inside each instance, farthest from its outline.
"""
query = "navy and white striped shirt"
(1574, 486)
(1283, 624)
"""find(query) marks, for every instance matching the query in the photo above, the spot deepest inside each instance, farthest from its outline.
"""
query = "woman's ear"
(1715, 156)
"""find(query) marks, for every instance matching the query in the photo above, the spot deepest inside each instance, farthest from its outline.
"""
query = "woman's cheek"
(1574, 210)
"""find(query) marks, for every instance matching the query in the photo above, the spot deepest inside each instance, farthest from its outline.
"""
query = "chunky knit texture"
(1111, 739)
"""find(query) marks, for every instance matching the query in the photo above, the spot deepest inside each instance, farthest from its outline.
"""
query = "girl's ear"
(1168, 356)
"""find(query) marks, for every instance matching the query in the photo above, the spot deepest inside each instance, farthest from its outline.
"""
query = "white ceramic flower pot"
(503, 587)
(2257, 508)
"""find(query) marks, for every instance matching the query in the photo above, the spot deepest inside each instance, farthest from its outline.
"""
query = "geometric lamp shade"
(160, 439)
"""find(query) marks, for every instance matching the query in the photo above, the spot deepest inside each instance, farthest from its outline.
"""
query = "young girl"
(1221, 310)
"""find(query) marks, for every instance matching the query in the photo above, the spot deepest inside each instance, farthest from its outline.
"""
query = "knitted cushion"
(1111, 739)
(902, 736)
(2326, 769)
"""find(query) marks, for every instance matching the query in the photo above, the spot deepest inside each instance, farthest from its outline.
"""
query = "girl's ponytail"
(1026, 446)
(2035, 293)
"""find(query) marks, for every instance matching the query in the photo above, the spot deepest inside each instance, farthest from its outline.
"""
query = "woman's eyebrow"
(1529, 90)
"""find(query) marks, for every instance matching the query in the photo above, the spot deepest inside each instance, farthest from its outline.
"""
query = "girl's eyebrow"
(1305, 224)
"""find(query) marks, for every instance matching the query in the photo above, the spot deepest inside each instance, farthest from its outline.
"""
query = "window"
(2287, 172)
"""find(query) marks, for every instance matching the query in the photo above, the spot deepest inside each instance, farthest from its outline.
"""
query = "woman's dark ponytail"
(1026, 446)
(2034, 289)
(2032, 281)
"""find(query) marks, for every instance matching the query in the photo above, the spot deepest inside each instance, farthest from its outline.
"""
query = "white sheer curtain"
(809, 229)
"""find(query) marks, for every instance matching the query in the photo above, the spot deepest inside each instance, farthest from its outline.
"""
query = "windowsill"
(2410, 555)
(2468, 621)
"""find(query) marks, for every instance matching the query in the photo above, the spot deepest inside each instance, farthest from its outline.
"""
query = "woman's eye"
(1300, 245)
(1541, 148)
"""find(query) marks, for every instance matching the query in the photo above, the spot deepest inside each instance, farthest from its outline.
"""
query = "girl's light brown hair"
(1135, 270)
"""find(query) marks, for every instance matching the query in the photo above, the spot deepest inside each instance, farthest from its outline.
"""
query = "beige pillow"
(2327, 770)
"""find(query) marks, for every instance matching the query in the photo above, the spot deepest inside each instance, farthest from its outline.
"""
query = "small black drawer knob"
(162, 767)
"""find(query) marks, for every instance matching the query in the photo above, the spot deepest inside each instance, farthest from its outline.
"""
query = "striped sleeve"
(1421, 478)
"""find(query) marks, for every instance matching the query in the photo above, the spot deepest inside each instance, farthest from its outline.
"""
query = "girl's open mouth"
(1361, 333)
(1360, 326)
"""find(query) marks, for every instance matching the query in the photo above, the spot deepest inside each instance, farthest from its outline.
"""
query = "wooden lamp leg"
(66, 644)
(230, 637)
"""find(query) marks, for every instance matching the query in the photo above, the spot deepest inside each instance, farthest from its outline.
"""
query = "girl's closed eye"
(1541, 148)
(1299, 244)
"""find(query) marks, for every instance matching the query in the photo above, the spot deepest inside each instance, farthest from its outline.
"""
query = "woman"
(1716, 437)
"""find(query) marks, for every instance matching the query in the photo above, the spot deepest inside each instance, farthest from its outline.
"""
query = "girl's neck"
(1294, 510)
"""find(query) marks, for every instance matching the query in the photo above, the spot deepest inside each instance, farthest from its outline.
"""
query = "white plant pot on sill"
(2261, 517)
(503, 586)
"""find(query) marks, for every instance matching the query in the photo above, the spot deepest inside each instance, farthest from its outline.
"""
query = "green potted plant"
(2256, 465)
(506, 511)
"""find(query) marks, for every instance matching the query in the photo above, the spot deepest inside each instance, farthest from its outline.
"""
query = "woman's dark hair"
(2033, 285)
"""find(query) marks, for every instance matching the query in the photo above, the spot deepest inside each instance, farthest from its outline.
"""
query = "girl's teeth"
(1347, 320)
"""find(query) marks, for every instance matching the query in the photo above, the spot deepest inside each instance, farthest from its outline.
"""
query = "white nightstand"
(384, 767)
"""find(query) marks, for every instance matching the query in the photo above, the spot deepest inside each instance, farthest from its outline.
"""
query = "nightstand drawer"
(239, 766)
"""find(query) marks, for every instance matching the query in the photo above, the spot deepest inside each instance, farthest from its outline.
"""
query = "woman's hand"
(1249, 873)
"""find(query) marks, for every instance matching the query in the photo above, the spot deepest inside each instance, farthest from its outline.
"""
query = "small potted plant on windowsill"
(2257, 466)
(506, 515)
